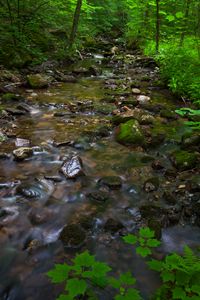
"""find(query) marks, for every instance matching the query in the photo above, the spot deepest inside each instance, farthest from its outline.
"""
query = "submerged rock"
(184, 160)
(113, 225)
(152, 184)
(113, 182)
(22, 153)
(130, 133)
(72, 167)
(98, 196)
(72, 236)
(22, 142)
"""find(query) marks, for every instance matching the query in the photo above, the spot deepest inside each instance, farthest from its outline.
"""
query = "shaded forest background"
(35, 31)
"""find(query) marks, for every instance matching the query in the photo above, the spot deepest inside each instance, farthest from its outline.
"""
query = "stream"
(121, 187)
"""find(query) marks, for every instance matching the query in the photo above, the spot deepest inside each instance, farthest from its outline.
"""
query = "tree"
(75, 23)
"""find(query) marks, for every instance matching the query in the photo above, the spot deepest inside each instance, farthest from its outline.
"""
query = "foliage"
(180, 274)
(145, 240)
(189, 112)
(86, 272)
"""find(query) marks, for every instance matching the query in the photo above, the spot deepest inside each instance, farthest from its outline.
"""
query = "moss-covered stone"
(130, 133)
(113, 182)
(9, 97)
(37, 81)
(184, 160)
(72, 236)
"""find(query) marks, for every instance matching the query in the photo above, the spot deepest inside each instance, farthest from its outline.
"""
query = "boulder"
(72, 167)
(22, 153)
(37, 81)
(130, 133)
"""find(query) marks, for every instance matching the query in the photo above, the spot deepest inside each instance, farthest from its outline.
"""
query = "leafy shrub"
(180, 274)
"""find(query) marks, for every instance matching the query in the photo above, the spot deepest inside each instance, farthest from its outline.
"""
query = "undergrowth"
(84, 275)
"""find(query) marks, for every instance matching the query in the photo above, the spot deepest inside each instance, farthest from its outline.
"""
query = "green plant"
(180, 275)
(189, 112)
(145, 241)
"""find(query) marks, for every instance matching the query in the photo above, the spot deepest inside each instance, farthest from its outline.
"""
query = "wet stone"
(4, 155)
(113, 226)
(130, 133)
(113, 182)
(72, 168)
(53, 178)
(152, 184)
(143, 99)
(19, 142)
(169, 198)
(193, 185)
(28, 191)
(22, 153)
(98, 196)
(184, 160)
(157, 165)
(15, 112)
(72, 236)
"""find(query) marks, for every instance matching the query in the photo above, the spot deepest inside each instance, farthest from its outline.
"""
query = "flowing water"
(34, 209)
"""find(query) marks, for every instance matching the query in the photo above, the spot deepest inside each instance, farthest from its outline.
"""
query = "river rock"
(15, 111)
(113, 225)
(190, 140)
(143, 99)
(72, 236)
(136, 91)
(3, 137)
(193, 184)
(168, 114)
(37, 81)
(4, 155)
(113, 182)
(184, 160)
(22, 153)
(72, 167)
(130, 133)
(21, 142)
(98, 196)
(151, 184)
(10, 97)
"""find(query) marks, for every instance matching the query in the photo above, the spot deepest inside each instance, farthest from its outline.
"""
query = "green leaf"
(59, 273)
(115, 283)
(76, 287)
(131, 294)
(100, 269)
(196, 289)
(179, 15)
(127, 279)
(155, 265)
(146, 232)
(130, 239)
(141, 241)
(170, 18)
(178, 293)
(64, 297)
(167, 276)
(153, 243)
(84, 259)
(143, 251)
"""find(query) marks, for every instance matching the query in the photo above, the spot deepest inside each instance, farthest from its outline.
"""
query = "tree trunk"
(185, 22)
(157, 25)
(75, 22)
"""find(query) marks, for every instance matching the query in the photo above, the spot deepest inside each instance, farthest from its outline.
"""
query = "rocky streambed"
(86, 161)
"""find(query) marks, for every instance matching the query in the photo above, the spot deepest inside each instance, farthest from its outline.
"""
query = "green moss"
(184, 160)
(130, 133)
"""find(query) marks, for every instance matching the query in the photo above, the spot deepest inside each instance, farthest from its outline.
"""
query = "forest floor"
(89, 153)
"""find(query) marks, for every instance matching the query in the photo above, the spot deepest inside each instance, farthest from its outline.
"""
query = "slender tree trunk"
(185, 22)
(75, 22)
(157, 25)
(197, 30)
(18, 16)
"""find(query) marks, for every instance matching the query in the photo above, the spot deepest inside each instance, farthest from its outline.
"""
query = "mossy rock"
(37, 81)
(130, 133)
(72, 236)
(9, 97)
(113, 182)
(184, 160)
